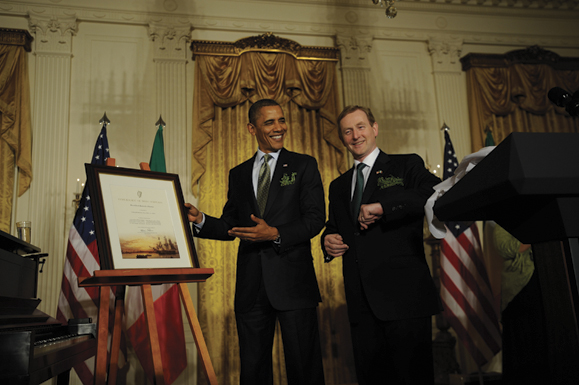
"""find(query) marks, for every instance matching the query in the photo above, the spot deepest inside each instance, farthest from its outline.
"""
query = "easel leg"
(116, 343)
(100, 372)
(151, 322)
(197, 334)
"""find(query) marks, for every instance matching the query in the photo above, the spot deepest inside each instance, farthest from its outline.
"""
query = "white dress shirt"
(254, 176)
(368, 161)
(257, 166)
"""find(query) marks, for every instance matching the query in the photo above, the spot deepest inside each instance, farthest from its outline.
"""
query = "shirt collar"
(370, 159)
(260, 155)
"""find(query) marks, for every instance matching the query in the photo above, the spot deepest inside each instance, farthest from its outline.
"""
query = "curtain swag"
(508, 93)
(229, 74)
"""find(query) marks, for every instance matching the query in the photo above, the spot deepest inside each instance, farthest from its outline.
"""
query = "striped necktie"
(263, 183)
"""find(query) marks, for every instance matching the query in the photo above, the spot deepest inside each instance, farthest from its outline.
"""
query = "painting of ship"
(165, 248)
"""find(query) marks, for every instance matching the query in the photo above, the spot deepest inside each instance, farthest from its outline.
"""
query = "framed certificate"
(140, 219)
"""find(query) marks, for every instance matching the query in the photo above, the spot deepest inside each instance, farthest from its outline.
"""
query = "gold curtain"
(15, 128)
(508, 93)
(225, 88)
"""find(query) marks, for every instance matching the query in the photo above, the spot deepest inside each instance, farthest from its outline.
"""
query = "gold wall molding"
(529, 55)
(16, 37)
(267, 42)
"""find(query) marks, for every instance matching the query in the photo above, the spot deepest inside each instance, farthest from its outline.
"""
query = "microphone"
(562, 98)
(559, 96)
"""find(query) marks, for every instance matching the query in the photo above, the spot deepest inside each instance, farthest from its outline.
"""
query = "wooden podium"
(529, 184)
(143, 278)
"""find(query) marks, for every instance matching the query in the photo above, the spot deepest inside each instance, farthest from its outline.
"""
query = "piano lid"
(16, 245)
(19, 262)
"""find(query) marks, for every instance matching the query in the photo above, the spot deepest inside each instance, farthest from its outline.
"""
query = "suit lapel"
(345, 190)
(247, 181)
(375, 173)
(283, 164)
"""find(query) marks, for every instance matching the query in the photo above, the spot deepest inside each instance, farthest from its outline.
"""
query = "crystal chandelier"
(391, 11)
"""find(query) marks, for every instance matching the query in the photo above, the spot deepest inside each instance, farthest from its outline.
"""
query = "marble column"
(171, 56)
(451, 93)
(355, 68)
(50, 119)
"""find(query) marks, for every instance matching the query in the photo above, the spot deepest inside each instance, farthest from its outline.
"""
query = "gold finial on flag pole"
(160, 122)
(444, 127)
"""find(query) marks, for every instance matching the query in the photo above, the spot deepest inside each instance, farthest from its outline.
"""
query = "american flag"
(465, 290)
(82, 259)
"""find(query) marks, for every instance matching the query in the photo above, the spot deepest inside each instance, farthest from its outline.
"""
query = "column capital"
(53, 33)
(445, 52)
(170, 41)
(354, 50)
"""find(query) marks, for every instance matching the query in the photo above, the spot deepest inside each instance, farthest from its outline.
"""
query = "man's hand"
(369, 214)
(194, 215)
(334, 245)
(259, 233)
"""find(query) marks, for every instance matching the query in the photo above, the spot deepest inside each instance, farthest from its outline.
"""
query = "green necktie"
(263, 182)
(358, 190)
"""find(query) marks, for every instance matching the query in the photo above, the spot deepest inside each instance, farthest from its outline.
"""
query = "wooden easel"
(143, 278)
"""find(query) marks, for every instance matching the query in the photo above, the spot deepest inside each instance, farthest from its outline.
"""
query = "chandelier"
(391, 11)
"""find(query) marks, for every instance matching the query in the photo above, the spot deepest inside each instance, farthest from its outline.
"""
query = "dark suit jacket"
(387, 258)
(296, 206)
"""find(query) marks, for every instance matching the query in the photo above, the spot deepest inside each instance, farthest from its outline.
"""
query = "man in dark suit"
(275, 205)
(375, 223)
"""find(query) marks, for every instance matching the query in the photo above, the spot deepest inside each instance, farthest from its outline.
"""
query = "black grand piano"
(34, 347)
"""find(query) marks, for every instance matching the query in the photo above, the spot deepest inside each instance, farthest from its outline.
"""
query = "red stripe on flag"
(470, 312)
(479, 312)
(470, 281)
(463, 335)
(473, 252)
(69, 294)
(485, 298)
(79, 270)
